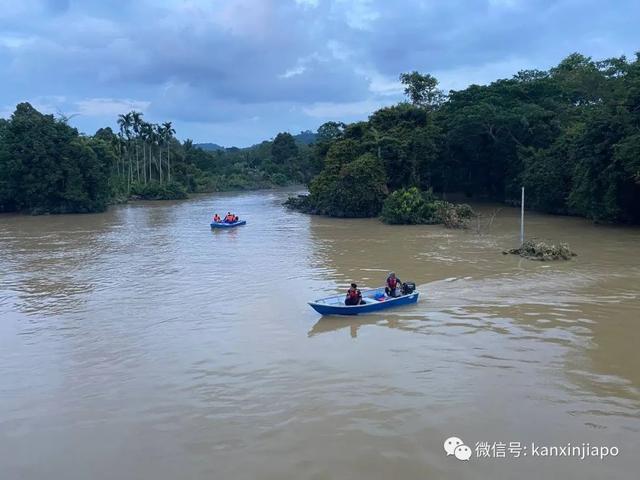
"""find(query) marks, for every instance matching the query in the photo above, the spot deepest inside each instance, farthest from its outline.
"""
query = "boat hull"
(335, 305)
(227, 225)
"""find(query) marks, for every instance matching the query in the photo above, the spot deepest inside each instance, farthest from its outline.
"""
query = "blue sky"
(236, 72)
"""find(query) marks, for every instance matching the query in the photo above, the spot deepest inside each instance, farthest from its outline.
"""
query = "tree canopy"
(569, 135)
(46, 166)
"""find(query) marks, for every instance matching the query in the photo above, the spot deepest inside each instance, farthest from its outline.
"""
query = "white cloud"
(15, 41)
(338, 50)
(383, 85)
(461, 77)
(102, 107)
(359, 14)
(47, 104)
(243, 17)
(292, 72)
(302, 64)
(341, 110)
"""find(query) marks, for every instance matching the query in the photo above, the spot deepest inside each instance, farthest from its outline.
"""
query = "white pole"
(522, 219)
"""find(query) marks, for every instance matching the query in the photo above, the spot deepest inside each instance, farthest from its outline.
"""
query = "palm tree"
(125, 122)
(159, 136)
(145, 134)
(168, 131)
(136, 118)
(120, 160)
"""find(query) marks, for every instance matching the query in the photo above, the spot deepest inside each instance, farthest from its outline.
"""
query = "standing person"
(393, 285)
(354, 296)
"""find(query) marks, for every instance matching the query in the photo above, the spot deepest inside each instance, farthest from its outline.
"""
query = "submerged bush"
(411, 206)
(453, 215)
(539, 250)
(300, 203)
(405, 207)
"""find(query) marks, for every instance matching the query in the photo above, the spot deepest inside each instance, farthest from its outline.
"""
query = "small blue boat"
(227, 225)
(374, 300)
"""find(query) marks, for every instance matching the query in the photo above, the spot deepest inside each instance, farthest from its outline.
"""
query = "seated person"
(392, 288)
(354, 296)
(216, 218)
(228, 218)
(235, 218)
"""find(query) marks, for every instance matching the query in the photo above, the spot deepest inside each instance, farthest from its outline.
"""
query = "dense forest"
(569, 135)
(46, 166)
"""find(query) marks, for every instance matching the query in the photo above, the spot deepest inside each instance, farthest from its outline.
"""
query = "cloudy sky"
(236, 72)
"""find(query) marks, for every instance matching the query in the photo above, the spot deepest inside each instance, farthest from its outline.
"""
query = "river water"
(139, 344)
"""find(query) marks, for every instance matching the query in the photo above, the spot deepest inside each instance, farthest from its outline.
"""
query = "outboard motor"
(408, 288)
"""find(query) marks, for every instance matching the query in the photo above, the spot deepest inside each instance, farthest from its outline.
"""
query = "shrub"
(405, 207)
(411, 206)
(301, 203)
(157, 191)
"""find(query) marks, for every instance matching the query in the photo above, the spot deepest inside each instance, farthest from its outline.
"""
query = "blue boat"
(227, 225)
(374, 300)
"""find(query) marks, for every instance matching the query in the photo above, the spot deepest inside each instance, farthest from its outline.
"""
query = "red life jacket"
(353, 293)
(392, 282)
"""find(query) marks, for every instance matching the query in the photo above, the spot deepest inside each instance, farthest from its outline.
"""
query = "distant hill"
(305, 138)
(212, 147)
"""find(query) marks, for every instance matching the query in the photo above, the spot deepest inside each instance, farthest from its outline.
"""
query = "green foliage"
(46, 167)
(284, 149)
(349, 189)
(360, 189)
(569, 135)
(158, 191)
(406, 207)
(411, 206)
(422, 89)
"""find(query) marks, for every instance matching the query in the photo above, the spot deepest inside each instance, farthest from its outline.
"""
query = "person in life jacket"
(354, 296)
(236, 218)
(216, 218)
(228, 218)
(392, 287)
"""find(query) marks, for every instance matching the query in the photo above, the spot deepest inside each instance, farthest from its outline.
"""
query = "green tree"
(45, 166)
(422, 89)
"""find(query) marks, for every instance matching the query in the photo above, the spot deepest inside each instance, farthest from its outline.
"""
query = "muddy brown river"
(139, 344)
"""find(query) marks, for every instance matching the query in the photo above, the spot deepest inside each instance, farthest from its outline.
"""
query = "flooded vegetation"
(543, 251)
